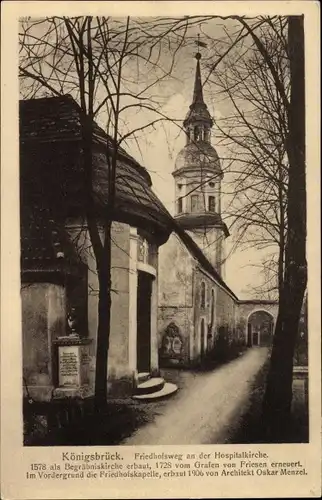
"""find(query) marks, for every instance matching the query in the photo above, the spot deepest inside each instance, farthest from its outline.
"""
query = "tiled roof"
(132, 192)
(259, 301)
(45, 246)
(51, 119)
(198, 254)
(56, 122)
(195, 220)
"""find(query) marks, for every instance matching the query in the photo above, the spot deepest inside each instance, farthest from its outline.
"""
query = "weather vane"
(199, 44)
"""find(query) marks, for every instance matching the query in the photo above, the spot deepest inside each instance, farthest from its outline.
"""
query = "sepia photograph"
(163, 263)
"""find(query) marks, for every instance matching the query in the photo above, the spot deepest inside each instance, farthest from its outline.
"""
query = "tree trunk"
(104, 316)
(281, 256)
(102, 255)
(278, 396)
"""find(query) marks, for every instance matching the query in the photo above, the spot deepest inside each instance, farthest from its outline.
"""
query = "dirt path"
(206, 408)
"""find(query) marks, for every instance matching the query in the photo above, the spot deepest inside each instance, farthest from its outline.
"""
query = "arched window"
(194, 202)
(203, 295)
(180, 206)
(211, 204)
(212, 312)
(202, 337)
(196, 133)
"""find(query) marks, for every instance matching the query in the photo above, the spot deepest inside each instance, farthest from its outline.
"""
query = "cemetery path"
(207, 407)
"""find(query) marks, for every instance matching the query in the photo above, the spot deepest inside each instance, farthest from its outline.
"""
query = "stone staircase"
(153, 388)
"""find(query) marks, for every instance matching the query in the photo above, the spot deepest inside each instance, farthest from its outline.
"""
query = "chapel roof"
(54, 119)
(45, 246)
(47, 127)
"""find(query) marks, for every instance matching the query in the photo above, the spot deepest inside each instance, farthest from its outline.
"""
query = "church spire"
(197, 91)
(198, 111)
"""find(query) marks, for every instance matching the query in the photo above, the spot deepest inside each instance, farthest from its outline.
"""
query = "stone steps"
(152, 388)
(143, 377)
(166, 390)
(151, 385)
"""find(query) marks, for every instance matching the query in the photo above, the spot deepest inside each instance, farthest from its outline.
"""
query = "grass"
(116, 422)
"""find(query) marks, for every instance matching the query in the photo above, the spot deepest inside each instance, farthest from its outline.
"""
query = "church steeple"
(198, 176)
(197, 91)
(198, 114)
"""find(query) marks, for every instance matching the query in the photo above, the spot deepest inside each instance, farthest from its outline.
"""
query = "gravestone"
(69, 366)
(73, 363)
(172, 347)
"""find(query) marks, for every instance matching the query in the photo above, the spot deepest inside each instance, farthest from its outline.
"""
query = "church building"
(197, 309)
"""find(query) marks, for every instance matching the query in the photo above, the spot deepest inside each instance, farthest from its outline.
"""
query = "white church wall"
(175, 274)
(180, 318)
(175, 309)
(210, 241)
(203, 332)
(246, 308)
(225, 309)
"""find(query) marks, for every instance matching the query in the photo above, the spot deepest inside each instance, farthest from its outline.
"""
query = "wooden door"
(144, 321)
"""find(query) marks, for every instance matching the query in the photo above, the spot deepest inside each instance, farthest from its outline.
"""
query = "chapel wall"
(120, 377)
(43, 320)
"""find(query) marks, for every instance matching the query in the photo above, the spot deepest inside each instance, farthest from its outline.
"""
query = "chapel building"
(59, 281)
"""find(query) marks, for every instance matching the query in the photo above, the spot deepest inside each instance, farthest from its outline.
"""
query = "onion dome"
(198, 155)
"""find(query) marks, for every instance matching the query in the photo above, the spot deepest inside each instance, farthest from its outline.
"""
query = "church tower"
(198, 177)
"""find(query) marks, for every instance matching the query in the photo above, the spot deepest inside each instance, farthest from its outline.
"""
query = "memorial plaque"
(69, 366)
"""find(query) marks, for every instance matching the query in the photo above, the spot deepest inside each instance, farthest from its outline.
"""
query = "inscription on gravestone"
(69, 366)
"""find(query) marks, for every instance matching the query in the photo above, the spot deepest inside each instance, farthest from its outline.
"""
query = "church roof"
(202, 220)
(48, 128)
(198, 155)
(198, 254)
(198, 152)
(259, 301)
